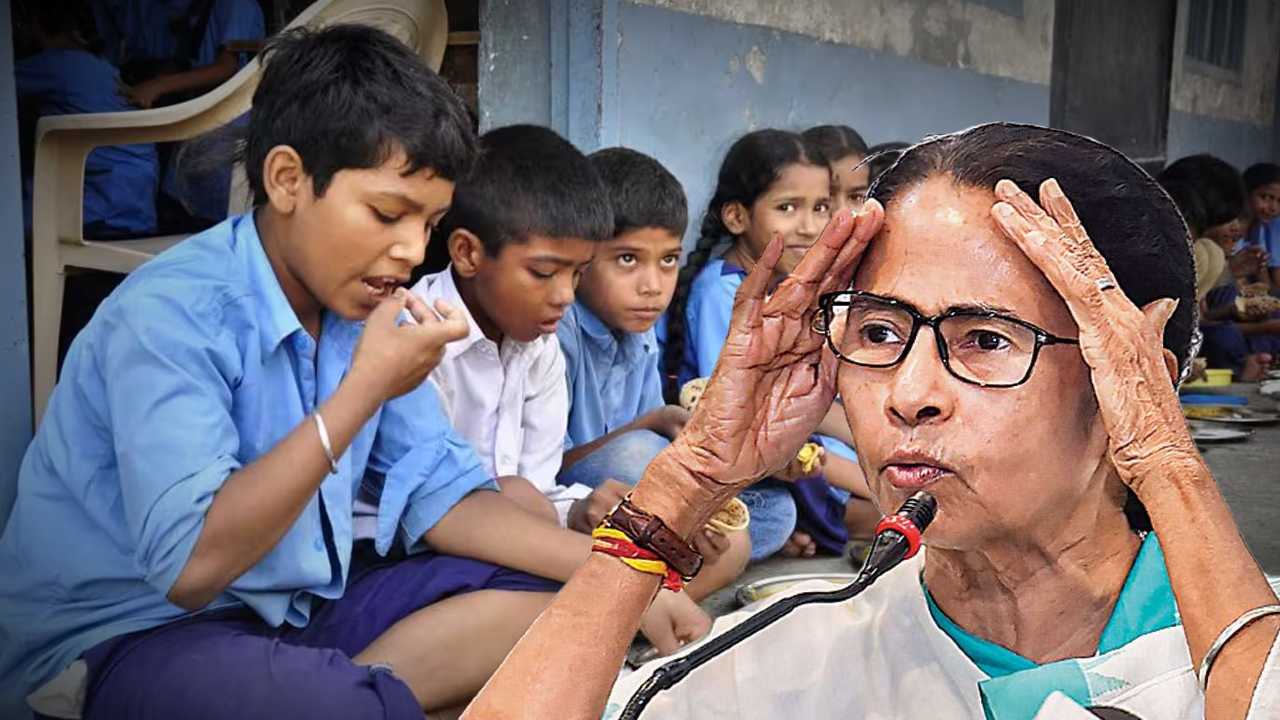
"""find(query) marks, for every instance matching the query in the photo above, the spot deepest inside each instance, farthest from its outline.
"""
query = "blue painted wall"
(515, 63)
(15, 375)
(1239, 143)
(683, 86)
(683, 98)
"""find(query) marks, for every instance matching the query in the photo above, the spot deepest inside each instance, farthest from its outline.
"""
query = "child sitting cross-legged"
(243, 501)
(618, 421)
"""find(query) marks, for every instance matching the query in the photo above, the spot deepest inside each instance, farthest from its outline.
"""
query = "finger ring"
(1105, 283)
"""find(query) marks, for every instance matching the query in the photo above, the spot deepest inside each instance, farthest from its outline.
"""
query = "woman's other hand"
(1133, 374)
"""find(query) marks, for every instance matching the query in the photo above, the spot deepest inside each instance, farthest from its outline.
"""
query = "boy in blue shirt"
(1262, 182)
(64, 78)
(618, 421)
(207, 33)
(227, 508)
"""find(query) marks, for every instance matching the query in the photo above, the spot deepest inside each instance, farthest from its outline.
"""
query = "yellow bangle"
(610, 533)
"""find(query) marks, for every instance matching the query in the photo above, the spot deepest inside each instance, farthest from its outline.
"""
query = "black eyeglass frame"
(827, 304)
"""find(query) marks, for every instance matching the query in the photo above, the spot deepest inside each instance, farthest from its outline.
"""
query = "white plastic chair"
(64, 142)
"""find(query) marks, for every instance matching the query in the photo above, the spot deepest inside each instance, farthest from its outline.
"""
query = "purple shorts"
(230, 664)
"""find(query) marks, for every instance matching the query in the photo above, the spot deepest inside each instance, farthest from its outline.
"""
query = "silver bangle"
(324, 442)
(1225, 636)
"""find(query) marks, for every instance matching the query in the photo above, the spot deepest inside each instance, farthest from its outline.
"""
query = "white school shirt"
(510, 401)
(881, 656)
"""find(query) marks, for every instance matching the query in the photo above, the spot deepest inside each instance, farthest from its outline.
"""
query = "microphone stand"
(897, 538)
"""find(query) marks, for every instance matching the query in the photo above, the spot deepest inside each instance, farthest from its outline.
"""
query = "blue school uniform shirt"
(193, 368)
(613, 376)
(206, 195)
(707, 311)
(1267, 236)
(119, 180)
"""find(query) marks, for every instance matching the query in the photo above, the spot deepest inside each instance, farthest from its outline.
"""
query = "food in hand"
(810, 455)
(733, 517)
(1255, 306)
(691, 393)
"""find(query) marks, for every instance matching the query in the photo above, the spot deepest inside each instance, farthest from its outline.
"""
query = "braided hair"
(752, 164)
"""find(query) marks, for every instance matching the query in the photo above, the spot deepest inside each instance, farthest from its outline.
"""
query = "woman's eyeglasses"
(976, 346)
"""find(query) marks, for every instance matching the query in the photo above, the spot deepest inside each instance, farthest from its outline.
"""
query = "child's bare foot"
(800, 544)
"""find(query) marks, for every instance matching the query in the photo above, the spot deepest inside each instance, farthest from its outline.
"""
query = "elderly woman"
(1001, 347)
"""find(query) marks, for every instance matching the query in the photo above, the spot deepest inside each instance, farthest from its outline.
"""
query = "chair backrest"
(64, 142)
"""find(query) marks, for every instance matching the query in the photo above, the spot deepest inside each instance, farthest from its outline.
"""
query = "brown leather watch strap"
(649, 532)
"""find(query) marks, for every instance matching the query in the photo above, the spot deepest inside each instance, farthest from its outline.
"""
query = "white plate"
(1243, 416)
(1204, 433)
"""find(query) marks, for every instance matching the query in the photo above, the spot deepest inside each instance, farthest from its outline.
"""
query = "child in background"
(771, 183)
(196, 192)
(1233, 339)
(66, 78)
(618, 421)
(1262, 183)
(523, 226)
(845, 150)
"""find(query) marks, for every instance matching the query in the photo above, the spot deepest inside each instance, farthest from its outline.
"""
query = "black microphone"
(897, 538)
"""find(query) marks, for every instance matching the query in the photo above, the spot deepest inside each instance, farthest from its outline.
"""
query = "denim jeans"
(773, 510)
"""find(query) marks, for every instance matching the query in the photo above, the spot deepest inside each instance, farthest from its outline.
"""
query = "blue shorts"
(230, 664)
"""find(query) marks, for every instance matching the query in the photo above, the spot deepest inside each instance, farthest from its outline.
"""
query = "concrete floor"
(1248, 472)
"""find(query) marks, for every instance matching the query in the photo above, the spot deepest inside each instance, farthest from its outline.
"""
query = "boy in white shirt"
(522, 228)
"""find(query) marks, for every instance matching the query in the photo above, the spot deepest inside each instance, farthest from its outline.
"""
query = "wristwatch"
(649, 532)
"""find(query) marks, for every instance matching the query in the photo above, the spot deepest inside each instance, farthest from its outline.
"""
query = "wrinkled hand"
(395, 358)
(776, 378)
(1122, 345)
(673, 621)
(586, 514)
(667, 420)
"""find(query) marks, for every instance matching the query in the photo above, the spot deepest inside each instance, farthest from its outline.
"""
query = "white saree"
(882, 656)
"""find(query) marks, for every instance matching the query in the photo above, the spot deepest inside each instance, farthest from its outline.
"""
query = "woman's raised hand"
(1132, 373)
(775, 379)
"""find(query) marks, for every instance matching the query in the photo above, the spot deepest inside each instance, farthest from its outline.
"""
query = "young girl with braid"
(771, 183)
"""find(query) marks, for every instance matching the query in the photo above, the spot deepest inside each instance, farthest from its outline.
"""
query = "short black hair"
(642, 193)
(1260, 174)
(529, 181)
(1218, 183)
(352, 96)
